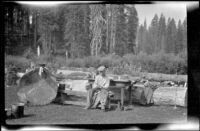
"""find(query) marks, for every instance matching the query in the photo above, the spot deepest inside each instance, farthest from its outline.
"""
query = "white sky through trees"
(176, 10)
(147, 11)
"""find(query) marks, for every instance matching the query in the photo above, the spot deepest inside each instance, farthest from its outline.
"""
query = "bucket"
(7, 112)
(21, 109)
(61, 87)
(17, 110)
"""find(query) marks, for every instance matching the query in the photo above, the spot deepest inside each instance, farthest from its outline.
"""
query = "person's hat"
(101, 68)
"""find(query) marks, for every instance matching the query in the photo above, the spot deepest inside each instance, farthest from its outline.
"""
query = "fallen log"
(163, 77)
(170, 96)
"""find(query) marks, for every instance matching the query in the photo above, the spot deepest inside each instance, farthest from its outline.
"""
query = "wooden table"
(122, 84)
(114, 84)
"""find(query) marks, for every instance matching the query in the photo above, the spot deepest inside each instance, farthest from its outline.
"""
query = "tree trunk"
(170, 96)
(50, 44)
(113, 28)
(108, 28)
(96, 27)
(114, 33)
(46, 41)
(35, 29)
(111, 35)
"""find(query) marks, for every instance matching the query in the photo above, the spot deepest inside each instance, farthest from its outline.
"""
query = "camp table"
(122, 84)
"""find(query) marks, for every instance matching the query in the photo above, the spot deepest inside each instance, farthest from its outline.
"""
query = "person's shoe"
(103, 108)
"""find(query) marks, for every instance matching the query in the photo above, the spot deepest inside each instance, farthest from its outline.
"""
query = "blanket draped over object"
(143, 95)
(37, 87)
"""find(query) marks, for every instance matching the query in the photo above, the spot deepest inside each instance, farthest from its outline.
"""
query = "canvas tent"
(38, 87)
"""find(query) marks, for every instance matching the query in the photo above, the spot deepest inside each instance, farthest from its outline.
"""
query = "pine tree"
(161, 32)
(132, 28)
(113, 27)
(166, 46)
(185, 34)
(171, 36)
(97, 24)
(86, 33)
(76, 30)
(47, 26)
(142, 37)
(104, 50)
(179, 38)
(16, 29)
(121, 31)
(139, 38)
(153, 35)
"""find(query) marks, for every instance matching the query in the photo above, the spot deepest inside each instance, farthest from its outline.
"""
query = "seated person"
(101, 84)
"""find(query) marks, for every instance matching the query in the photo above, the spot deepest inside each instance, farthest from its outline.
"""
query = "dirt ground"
(70, 114)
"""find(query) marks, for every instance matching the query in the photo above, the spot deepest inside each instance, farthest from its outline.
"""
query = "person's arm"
(107, 84)
(95, 84)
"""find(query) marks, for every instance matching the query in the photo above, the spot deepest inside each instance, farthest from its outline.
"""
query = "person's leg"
(90, 94)
(104, 99)
(96, 100)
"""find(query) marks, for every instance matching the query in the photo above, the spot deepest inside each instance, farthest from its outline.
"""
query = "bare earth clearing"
(69, 114)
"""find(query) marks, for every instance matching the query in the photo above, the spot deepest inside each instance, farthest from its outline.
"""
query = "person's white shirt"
(101, 81)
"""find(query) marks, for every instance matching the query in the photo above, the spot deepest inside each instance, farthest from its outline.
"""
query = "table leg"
(130, 98)
(122, 98)
(118, 106)
(130, 95)
(62, 98)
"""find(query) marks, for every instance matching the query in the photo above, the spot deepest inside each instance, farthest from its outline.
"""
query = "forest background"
(89, 35)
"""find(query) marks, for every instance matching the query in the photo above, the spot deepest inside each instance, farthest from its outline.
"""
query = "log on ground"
(164, 77)
(170, 96)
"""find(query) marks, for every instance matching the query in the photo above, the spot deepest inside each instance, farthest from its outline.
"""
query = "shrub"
(128, 64)
(183, 54)
(92, 61)
(18, 61)
(109, 60)
(76, 63)
(159, 62)
(43, 59)
(59, 61)
(29, 54)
